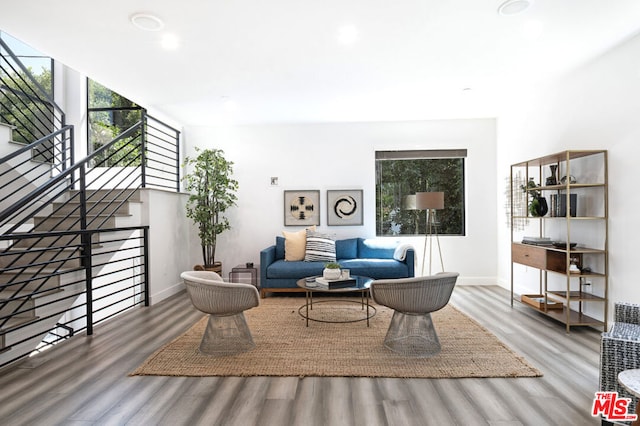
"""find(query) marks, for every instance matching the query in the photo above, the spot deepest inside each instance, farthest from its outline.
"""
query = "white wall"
(169, 241)
(341, 156)
(595, 107)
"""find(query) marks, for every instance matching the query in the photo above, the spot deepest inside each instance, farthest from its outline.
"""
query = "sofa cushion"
(376, 268)
(320, 248)
(297, 270)
(347, 249)
(375, 249)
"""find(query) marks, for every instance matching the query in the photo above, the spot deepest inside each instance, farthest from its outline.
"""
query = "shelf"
(558, 158)
(575, 318)
(561, 187)
(592, 184)
(562, 217)
(576, 296)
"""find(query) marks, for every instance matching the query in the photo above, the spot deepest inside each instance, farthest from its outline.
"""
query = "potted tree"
(212, 192)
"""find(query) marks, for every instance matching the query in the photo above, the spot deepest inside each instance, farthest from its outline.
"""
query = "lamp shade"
(430, 200)
(409, 202)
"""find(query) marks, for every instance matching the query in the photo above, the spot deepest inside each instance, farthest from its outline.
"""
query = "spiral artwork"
(345, 206)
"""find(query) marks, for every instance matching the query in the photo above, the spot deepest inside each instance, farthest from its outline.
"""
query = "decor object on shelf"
(411, 331)
(552, 180)
(212, 192)
(331, 271)
(558, 206)
(538, 206)
(227, 332)
(430, 201)
(571, 180)
(344, 207)
(301, 208)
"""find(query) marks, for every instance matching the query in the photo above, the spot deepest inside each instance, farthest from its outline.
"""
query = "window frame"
(416, 218)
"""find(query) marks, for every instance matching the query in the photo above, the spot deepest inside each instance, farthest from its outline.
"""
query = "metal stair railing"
(58, 235)
(25, 104)
(69, 210)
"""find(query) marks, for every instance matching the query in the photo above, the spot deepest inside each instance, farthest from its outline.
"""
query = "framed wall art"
(301, 208)
(344, 207)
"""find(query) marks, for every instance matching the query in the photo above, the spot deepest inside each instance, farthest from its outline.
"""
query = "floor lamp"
(430, 201)
(409, 203)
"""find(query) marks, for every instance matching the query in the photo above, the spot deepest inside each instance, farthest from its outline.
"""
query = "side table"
(630, 380)
(238, 274)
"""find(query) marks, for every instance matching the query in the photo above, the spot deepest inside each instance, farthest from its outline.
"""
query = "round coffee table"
(361, 285)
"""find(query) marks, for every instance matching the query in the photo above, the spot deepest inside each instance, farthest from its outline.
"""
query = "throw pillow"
(320, 248)
(295, 243)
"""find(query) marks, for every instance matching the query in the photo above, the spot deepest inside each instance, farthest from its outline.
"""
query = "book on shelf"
(537, 241)
(558, 205)
(333, 284)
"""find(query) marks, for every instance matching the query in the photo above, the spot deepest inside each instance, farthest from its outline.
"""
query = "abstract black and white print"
(302, 208)
(344, 207)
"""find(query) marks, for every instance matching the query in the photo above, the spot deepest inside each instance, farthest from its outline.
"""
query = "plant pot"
(216, 267)
(331, 274)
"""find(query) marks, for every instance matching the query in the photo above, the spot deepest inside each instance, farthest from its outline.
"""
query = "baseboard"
(166, 293)
(476, 281)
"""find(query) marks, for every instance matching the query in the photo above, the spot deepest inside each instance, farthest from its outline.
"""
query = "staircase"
(73, 250)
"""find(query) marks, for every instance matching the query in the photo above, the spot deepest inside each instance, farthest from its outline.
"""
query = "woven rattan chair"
(620, 350)
(411, 332)
(227, 331)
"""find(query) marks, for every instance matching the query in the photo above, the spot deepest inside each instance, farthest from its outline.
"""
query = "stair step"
(63, 240)
(8, 307)
(67, 257)
(13, 324)
(55, 223)
(108, 195)
(16, 279)
(104, 208)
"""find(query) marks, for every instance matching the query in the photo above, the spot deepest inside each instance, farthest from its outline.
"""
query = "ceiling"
(251, 61)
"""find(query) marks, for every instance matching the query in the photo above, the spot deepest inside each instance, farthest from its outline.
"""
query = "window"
(21, 103)
(403, 173)
(109, 115)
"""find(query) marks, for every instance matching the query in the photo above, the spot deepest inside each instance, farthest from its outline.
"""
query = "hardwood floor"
(84, 381)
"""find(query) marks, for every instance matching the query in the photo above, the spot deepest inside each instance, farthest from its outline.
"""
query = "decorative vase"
(331, 274)
(552, 180)
(543, 206)
(538, 207)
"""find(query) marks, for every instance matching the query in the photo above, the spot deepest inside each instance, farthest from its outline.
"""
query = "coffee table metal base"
(364, 303)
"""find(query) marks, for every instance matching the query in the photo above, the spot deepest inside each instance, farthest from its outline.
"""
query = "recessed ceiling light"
(147, 22)
(513, 7)
(348, 34)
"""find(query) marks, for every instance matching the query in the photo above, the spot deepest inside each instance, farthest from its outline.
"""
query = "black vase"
(542, 207)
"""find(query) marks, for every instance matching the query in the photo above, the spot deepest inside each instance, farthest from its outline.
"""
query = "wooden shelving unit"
(585, 223)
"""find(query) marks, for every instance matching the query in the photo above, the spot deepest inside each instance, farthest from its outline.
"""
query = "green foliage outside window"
(18, 106)
(395, 179)
(21, 103)
(110, 114)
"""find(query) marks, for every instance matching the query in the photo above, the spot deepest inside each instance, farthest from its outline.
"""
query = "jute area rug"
(286, 347)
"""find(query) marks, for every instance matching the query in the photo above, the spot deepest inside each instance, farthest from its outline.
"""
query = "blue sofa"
(366, 257)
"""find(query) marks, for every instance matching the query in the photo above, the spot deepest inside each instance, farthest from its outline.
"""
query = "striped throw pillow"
(320, 248)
